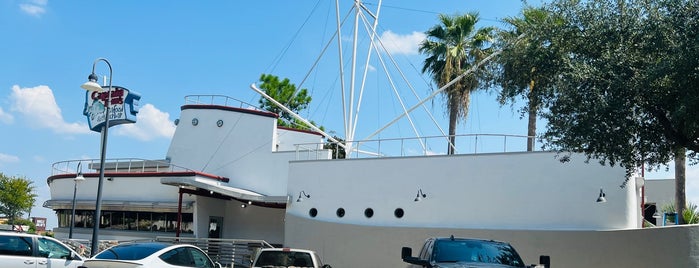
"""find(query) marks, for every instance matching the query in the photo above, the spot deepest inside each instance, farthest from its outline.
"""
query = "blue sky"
(165, 50)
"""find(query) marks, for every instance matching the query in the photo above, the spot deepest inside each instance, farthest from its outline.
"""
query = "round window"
(399, 213)
(369, 212)
(313, 212)
(340, 212)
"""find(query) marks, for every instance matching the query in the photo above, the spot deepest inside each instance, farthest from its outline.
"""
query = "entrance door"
(215, 226)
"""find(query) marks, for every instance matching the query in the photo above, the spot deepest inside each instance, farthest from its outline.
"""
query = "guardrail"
(123, 165)
(422, 146)
(219, 100)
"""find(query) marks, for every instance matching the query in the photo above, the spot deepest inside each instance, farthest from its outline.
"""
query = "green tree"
(527, 66)
(16, 197)
(285, 93)
(629, 89)
(452, 47)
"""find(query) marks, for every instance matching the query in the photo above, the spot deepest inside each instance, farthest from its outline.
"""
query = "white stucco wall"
(495, 191)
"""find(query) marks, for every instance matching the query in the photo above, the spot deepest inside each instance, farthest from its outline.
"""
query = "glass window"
(51, 249)
(15, 245)
(200, 258)
(178, 256)
(130, 251)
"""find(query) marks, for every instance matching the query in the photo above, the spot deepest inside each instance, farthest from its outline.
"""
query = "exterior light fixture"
(602, 197)
(78, 178)
(420, 195)
(301, 195)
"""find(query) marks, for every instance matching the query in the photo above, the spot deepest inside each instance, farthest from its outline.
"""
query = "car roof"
(288, 249)
(452, 238)
(20, 234)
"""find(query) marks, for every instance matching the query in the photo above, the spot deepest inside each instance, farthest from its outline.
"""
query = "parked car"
(151, 254)
(448, 252)
(29, 250)
(287, 257)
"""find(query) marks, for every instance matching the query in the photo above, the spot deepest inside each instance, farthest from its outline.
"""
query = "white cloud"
(5, 117)
(402, 44)
(34, 7)
(6, 158)
(150, 123)
(39, 107)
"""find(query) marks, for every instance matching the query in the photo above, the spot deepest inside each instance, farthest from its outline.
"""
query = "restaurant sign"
(123, 107)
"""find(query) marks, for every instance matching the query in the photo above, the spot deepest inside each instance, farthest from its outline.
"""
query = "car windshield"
(130, 251)
(284, 259)
(477, 251)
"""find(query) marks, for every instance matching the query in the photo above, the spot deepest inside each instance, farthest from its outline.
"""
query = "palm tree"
(452, 47)
(527, 65)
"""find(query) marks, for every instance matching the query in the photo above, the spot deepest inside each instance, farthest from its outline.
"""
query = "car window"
(52, 249)
(179, 257)
(284, 258)
(15, 245)
(200, 258)
(130, 251)
(476, 251)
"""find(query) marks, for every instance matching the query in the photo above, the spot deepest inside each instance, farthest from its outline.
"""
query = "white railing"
(423, 146)
(123, 165)
(219, 100)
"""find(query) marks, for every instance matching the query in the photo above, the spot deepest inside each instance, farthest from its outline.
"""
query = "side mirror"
(406, 254)
(545, 261)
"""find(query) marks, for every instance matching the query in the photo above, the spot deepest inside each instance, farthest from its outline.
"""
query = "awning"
(119, 205)
(217, 187)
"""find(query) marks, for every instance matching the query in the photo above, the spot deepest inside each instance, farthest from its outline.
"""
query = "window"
(50, 249)
(15, 245)
(128, 220)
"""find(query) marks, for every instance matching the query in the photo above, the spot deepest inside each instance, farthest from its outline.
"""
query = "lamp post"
(78, 178)
(91, 85)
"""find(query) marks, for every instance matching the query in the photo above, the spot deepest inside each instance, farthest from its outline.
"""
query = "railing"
(423, 146)
(219, 100)
(123, 165)
(227, 252)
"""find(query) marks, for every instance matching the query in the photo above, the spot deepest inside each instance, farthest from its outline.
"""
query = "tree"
(629, 89)
(452, 47)
(528, 64)
(285, 93)
(16, 196)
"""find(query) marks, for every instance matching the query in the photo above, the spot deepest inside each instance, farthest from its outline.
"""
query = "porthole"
(219, 123)
(195, 122)
(313, 212)
(399, 213)
(340, 212)
(177, 121)
(369, 212)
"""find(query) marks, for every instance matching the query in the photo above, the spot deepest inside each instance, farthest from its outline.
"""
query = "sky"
(165, 50)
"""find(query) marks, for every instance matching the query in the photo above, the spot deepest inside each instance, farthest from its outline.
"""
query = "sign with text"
(123, 107)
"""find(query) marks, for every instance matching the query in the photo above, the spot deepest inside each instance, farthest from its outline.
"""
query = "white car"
(20, 250)
(288, 257)
(151, 254)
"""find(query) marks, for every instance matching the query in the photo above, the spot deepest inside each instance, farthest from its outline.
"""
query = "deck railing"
(219, 100)
(122, 165)
(422, 146)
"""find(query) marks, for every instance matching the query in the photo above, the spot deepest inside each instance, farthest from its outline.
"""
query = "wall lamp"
(420, 195)
(301, 195)
(602, 197)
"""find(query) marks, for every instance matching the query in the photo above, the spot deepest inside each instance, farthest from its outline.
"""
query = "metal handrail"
(123, 165)
(219, 100)
(380, 145)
